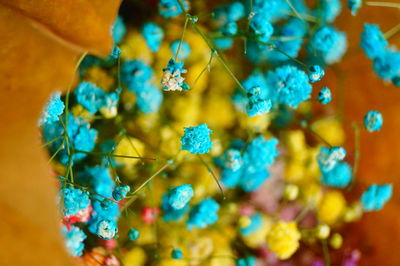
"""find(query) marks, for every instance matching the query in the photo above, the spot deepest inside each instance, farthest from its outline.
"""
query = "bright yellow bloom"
(135, 257)
(331, 130)
(331, 207)
(131, 147)
(283, 239)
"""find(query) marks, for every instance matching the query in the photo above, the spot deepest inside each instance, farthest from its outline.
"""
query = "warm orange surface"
(378, 234)
(37, 58)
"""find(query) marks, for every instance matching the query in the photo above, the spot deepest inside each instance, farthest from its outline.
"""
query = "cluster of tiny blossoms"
(213, 163)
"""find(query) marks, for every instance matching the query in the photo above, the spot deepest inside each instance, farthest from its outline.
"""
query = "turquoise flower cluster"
(196, 140)
(138, 76)
(184, 50)
(133, 234)
(176, 254)
(205, 213)
(171, 8)
(375, 197)
(373, 121)
(74, 238)
(325, 95)
(74, 200)
(248, 170)
(179, 197)
(54, 108)
(92, 98)
(118, 30)
(256, 222)
(153, 35)
(257, 105)
(120, 192)
(386, 60)
(335, 173)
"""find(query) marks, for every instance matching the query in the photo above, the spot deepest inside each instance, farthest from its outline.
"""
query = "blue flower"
(119, 30)
(196, 140)
(373, 121)
(230, 12)
(330, 43)
(54, 108)
(89, 96)
(184, 50)
(171, 214)
(205, 213)
(261, 27)
(223, 43)
(257, 105)
(172, 79)
(288, 85)
(153, 34)
(232, 159)
(98, 179)
(74, 238)
(354, 5)
(252, 179)
(256, 222)
(135, 74)
(229, 29)
(339, 176)
(329, 157)
(330, 9)
(106, 229)
(115, 52)
(176, 254)
(387, 65)
(375, 197)
(231, 178)
(74, 200)
(149, 99)
(179, 197)
(372, 41)
(120, 192)
(256, 79)
(171, 8)
(133, 234)
(315, 73)
(325, 95)
(246, 261)
(260, 153)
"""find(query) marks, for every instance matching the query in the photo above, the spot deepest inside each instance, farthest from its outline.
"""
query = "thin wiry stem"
(382, 4)
(294, 10)
(306, 17)
(57, 151)
(204, 69)
(392, 31)
(210, 44)
(325, 250)
(183, 35)
(213, 175)
(132, 199)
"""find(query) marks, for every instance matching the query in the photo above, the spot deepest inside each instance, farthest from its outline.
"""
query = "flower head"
(135, 74)
(118, 30)
(288, 85)
(256, 222)
(373, 121)
(315, 73)
(354, 5)
(261, 27)
(179, 197)
(283, 239)
(246, 261)
(106, 229)
(133, 234)
(325, 95)
(153, 34)
(339, 176)
(330, 43)
(54, 108)
(74, 200)
(196, 140)
(184, 50)
(172, 79)
(329, 157)
(176, 254)
(74, 238)
(120, 192)
(203, 214)
(372, 41)
(149, 99)
(257, 105)
(375, 197)
(171, 8)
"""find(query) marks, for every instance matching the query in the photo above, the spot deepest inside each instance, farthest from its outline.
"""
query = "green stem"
(297, 14)
(51, 141)
(382, 4)
(325, 250)
(204, 69)
(57, 151)
(180, 42)
(193, 21)
(392, 31)
(213, 175)
(131, 200)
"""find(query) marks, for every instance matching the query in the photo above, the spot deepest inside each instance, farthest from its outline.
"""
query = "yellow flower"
(131, 147)
(331, 207)
(134, 47)
(283, 239)
(218, 112)
(135, 257)
(256, 238)
(331, 130)
(99, 77)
